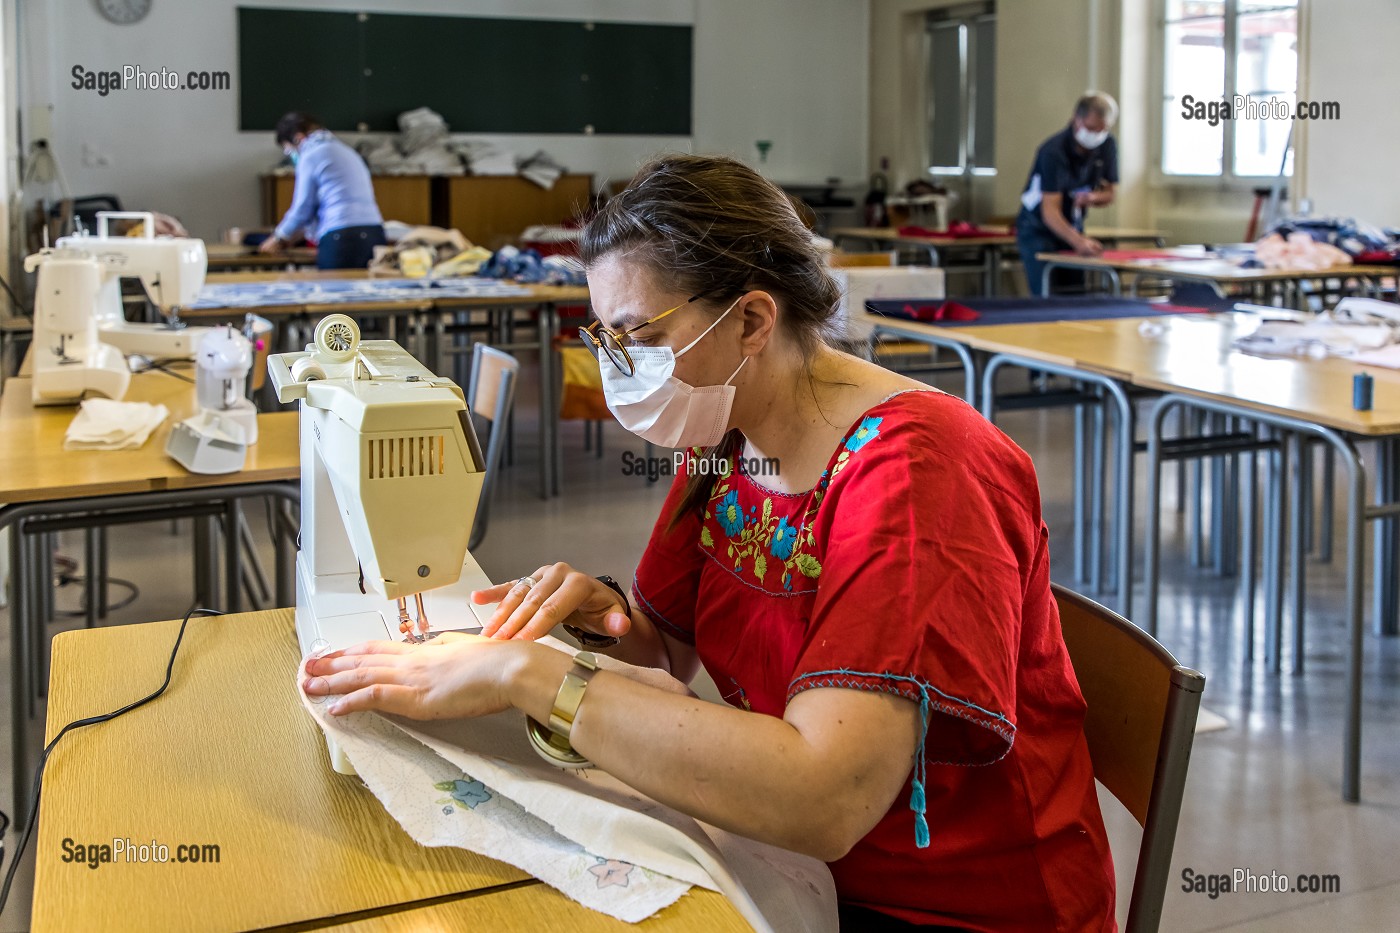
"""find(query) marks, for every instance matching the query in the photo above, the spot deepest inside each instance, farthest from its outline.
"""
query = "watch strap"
(570, 695)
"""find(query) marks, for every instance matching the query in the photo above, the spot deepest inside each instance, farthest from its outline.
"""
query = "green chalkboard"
(483, 74)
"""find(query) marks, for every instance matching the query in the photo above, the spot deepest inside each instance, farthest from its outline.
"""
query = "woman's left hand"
(451, 677)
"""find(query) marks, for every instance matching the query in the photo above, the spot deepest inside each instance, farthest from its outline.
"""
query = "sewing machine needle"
(405, 623)
(422, 615)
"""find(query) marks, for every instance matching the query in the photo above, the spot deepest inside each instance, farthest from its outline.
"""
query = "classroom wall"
(1348, 167)
(1050, 53)
(1037, 84)
(780, 70)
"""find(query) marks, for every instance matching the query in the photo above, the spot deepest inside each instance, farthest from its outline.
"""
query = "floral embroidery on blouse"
(869, 430)
(755, 542)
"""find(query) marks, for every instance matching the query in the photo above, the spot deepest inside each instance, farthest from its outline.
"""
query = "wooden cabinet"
(408, 198)
(493, 210)
(490, 210)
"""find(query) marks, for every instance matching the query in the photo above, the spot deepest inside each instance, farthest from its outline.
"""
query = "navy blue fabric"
(1062, 167)
(349, 247)
(1028, 310)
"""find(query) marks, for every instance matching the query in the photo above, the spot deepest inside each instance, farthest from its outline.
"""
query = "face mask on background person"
(656, 406)
(1088, 138)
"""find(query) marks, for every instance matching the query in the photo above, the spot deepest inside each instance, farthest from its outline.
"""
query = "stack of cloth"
(423, 141)
(1355, 327)
(485, 158)
(1298, 251)
(528, 267)
(420, 149)
(428, 252)
(542, 169)
(104, 424)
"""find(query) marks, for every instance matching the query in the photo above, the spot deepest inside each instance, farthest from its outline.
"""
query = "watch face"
(124, 11)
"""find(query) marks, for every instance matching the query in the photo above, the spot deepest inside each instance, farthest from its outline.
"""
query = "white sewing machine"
(81, 335)
(390, 476)
(67, 357)
(171, 269)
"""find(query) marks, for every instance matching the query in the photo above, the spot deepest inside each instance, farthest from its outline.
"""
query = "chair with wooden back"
(490, 394)
(1140, 724)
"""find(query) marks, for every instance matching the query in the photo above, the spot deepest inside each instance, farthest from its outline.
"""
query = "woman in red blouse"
(876, 610)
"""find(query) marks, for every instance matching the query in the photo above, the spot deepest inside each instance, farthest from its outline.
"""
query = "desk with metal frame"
(1192, 362)
(224, 257)
(45, 489)
(424, 321)
(991, 248)
(300, 846)
(1264, 284)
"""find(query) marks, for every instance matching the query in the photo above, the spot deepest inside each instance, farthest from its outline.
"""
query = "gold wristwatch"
(553, 743)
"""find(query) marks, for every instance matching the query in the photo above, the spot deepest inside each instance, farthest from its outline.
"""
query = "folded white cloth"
(104, 424)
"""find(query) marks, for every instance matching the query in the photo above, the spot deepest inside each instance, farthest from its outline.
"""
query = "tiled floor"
(1263, 794)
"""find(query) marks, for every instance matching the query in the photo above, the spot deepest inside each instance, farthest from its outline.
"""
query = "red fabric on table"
(957, 230)
(943, 311)
(918, 566)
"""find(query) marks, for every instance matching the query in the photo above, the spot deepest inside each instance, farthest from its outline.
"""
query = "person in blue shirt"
(1074, 170)
(333, 197)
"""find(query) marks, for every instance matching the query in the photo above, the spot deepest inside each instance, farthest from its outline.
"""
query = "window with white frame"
(961, 55)
(1230, 80)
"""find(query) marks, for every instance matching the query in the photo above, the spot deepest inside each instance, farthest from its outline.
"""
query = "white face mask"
(1089, 139)
(658, 407)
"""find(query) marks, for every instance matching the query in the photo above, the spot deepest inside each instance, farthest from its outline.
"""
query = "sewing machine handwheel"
(337, 337)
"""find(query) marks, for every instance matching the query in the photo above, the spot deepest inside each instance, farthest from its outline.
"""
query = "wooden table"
(1217, 272)
(990, 248)
(226, 256)
(425, 319)
(1193, 362)
(228, 757)
(44, 487)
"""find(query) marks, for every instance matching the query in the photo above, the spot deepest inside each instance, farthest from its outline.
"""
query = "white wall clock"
(124, 12)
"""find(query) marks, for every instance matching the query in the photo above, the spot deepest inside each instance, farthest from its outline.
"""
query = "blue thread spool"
(1362, 391)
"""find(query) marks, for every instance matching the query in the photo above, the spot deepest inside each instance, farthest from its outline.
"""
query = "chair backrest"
(490, 394)
(1140, 724)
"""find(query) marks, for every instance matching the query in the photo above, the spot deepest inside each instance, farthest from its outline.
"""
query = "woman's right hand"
(560, 594)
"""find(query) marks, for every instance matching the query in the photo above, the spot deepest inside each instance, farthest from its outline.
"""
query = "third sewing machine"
(81, 334)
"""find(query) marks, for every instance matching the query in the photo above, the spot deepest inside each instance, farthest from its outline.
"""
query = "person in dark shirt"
(1074, 170)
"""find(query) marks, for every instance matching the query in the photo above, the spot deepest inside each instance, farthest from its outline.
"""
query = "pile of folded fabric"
(1362, 242)
(420, 149)
(1298, 251)
(428, 252)
(1355, 326)
(542, 169)
(485, 158)
(528, 267)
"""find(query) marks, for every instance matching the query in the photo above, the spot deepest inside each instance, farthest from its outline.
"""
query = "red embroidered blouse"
(918, 565)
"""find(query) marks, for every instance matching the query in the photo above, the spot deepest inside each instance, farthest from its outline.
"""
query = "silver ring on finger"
(526, 582)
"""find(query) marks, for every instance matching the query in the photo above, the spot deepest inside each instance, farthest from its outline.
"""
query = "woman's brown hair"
(713, 227)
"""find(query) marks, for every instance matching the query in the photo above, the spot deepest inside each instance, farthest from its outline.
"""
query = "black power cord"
(78, 724)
